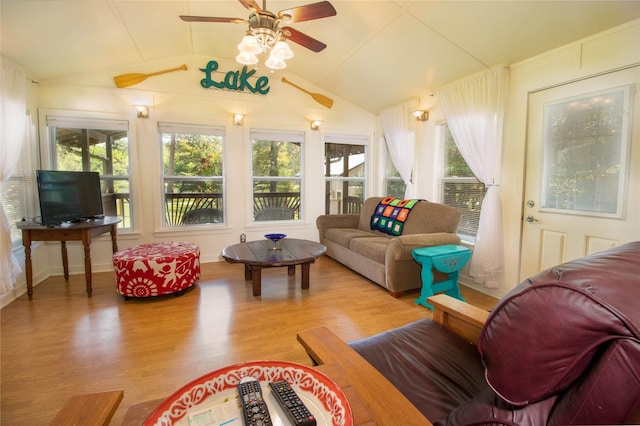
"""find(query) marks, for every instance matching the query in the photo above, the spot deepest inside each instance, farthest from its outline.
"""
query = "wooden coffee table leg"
(292, 270)
(257, 280)
(247, 272)
(305, 274)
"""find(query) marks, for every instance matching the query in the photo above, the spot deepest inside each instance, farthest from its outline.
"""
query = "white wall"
(610, 50)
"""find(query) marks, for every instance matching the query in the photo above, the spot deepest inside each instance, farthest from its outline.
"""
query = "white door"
(582, 180)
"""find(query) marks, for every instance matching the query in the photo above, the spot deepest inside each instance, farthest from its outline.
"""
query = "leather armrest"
(460, 317)
(376, 392)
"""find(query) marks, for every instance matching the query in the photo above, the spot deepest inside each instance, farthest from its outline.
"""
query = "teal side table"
(448, 259)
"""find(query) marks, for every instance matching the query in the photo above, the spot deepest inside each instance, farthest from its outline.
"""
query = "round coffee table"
(257, 255)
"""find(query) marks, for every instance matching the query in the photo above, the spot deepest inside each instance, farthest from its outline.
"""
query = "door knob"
(530, 219)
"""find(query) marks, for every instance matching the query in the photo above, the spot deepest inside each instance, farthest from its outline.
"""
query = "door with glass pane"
(582, 181)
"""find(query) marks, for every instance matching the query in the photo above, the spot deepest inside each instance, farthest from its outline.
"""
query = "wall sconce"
(143, 111)
(238, 119)
(420, 115)
(315, 124)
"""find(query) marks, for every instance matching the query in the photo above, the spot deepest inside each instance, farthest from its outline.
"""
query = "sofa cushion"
(372, 247)
(343, 236)
(436, 369)
(568, 314)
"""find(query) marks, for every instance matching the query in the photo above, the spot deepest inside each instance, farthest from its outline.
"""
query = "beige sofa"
(385, 259)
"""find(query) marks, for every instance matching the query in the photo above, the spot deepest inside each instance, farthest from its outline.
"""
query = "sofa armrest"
(375, 391)
(401, 246)
(326, 221)
(460, 317)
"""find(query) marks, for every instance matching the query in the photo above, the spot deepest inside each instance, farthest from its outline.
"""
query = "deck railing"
(176, 205)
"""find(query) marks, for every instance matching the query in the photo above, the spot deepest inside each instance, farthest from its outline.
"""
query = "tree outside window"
(193, 174)
(276, 175)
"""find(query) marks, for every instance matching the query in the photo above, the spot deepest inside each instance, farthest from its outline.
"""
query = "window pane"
(276, 166)
(193, 175)
(584, 143)
(105, 151)
(344, 166)
(459, 187)
(467, 198)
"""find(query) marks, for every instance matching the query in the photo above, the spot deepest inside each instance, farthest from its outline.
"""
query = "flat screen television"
(67, 196)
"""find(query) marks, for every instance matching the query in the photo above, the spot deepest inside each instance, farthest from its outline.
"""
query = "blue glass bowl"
(275, 237)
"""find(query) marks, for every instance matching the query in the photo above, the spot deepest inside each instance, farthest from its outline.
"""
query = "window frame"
(288, 136)
(199, 130)
(441, 135)
(50, 120)
(358, 140)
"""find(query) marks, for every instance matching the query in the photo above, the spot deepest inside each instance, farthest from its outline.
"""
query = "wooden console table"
(77, 231)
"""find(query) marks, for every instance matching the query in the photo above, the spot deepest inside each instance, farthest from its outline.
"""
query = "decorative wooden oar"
(321, 99)
(126, 80)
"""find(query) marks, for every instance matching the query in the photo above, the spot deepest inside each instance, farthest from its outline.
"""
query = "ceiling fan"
(265, 27)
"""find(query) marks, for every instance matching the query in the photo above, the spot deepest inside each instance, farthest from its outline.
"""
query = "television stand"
(77, 231)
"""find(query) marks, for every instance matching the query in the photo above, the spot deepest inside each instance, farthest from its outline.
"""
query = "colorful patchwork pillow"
(391, 214)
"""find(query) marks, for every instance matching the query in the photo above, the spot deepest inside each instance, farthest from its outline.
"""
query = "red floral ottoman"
(156, 268)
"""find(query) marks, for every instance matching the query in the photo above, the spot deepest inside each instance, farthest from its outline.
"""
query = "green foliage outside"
(276, 159)
(189, 156)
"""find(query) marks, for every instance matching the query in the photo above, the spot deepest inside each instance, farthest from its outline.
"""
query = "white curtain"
(396, 127)
(474, 109)
(13, 122)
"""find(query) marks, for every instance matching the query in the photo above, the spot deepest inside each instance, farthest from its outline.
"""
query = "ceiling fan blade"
(303, 39)
(251, 5)
(319, 10)
(188, 18)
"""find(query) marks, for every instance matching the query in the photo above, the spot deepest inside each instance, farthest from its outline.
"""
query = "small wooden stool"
(448, 259)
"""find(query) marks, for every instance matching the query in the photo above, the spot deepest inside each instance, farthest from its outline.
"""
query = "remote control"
(254, 407)
(291, 404)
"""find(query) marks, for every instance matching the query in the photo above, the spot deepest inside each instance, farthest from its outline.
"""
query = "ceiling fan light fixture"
(275, 62)
(282, 50)
(247, 58)
(249, 45)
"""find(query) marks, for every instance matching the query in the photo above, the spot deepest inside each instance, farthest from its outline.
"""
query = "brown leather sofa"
(562, 348)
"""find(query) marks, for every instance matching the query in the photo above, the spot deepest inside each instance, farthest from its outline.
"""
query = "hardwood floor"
(63, 343)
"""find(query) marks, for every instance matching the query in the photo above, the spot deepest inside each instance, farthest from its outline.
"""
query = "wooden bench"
(324, 347)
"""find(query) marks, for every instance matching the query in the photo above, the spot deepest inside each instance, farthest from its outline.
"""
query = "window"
(459, 188)
(344, 165)
(192, 174)
(393, 183)
(276, 164)
(99, 146)
(585, 144)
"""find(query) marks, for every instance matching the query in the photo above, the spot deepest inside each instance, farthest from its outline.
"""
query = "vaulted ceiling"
(379, 53)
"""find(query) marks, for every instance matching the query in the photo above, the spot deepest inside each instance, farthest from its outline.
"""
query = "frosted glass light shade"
(275, 63)
(249, 45)
(247, 58)
(282, 50)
